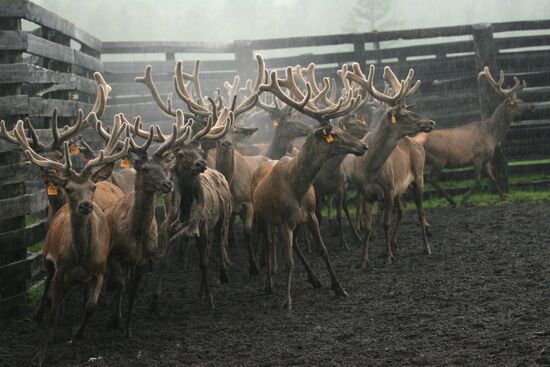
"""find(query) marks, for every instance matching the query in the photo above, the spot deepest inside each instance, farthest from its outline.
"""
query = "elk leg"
(286, 236)
(350, 221)
(57, 289)
(312, 278)
(162, 266)
(418, 190)
(117, 280)
(490, 174)
(477, 179)
(368, 230)
(253, 268)
(359, 213)
(313, 225)
(223, 239)
(132, 293)
(339, 203)
(50, 269)
(203, 249)
(433, 178)
(388, 207)
(94, 289)
(232, 231)
(265, 233)
(330, 201)
(273, 232)
(400, 211)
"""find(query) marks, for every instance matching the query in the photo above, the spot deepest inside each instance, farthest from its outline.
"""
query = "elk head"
(150, 168)
(515, 107)
(336, 141)
(79, 187)
(397, 116)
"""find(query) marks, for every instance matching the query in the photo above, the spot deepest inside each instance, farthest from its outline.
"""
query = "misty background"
(229, 20)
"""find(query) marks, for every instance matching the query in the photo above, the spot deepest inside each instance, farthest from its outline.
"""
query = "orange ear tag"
(52, 190)
(362, 120)
(74, 149)
(393, 119)
(125, 163)
(329, 138)
(275, 122)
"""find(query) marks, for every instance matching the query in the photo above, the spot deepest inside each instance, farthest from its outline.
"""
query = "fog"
(229, 20)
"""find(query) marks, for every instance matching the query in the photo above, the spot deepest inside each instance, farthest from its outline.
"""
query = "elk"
(474, 143)
(77, 242)
(106, 193)
(284, 198)
(236, 168)
(132, 219)
(394, 161)
(201, 203)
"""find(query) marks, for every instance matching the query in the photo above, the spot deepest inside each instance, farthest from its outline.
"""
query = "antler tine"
(158, 153)
(251, 100)
(136, 129)
(147, 79)
(102, 95)
(141, 149)
(202, 132)
(9, 136)
(198, 108)
(35, 158)
(358, 77)
(323, 92)
(183, 129)
(225, 121)
(104, 158)
(36, 143)
(310, 77)
(232, 89)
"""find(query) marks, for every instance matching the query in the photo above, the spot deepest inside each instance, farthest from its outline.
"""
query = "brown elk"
(201, 203)
(77, 242)
(132, 219)
(474, 143)
(284, 198)
(394, 161)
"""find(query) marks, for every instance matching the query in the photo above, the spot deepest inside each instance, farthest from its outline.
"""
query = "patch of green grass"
(512, 180)
(37, 247)
(34, 295)
(30, 220)
(486, 199)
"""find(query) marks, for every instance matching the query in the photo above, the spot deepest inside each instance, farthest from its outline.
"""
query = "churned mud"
(481, 299)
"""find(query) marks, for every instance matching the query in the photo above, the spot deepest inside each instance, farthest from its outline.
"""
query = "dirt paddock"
(479, 300)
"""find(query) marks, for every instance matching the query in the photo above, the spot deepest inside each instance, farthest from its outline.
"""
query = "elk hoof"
(315, 282)
(339, 291)
(287, 304)
(224, 278)
(253, 269)
(390, 260)
(129, 333)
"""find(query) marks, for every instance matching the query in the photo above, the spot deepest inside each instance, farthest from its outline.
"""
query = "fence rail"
(52, 65)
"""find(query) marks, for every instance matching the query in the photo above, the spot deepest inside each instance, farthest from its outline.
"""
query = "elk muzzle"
(166, 186)
(85, 207)
(199, 166)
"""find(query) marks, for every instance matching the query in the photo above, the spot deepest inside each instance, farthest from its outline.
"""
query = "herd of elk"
(102, 222)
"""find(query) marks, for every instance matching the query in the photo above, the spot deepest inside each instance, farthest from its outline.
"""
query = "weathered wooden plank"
(37, 14)
(24, 237)
(13, 41)
(87, 61)
(14, 105)
(138, 67)
(44, 48)
(14, 169)
(22, 205)
(39, 107)
(9, 304)
(166, 47)
(15, 272)
(526, 41)
(522, 25)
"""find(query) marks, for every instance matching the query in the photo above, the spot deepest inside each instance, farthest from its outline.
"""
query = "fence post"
(485, 51)
(359, 50)
(244, 59)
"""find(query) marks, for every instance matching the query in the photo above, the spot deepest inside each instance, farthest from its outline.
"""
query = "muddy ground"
(479, 300)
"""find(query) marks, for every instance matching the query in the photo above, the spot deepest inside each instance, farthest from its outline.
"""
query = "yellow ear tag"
(52, 190)
(362, 120)
(393, 119)
(275, 122)
(125, 163)
(74, 149)
(329, 138)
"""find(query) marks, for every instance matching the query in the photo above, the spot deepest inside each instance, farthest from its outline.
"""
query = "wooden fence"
(51, 66)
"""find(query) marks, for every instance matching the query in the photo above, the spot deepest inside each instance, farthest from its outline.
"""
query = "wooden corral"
(51, 65)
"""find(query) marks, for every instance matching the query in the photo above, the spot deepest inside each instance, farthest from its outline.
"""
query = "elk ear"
(57, 181)
(103, 173)
(244, 131)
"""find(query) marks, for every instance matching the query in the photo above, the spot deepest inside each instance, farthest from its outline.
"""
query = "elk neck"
(190, 191)
(144, 208)
(498, 123)
(382, 141)
(279, 144)
(306, 165)
(81, 231)
(225, 163)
